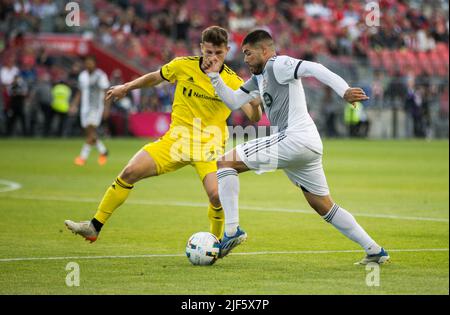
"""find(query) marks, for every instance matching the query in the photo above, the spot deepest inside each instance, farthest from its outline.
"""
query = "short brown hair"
(215, 35)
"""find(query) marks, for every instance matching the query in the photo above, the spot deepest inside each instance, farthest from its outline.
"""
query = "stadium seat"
(439, 60)
(313, 25)
(387, 60)
(375, 59)
(424, 62)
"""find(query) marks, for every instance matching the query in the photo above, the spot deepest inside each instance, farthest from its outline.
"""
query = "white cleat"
(381, 258)
(85, 228)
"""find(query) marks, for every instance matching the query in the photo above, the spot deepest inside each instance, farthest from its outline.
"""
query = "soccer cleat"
(381, 258)
(230, 242)
(102, 159)
(85, 228)
(79, 161)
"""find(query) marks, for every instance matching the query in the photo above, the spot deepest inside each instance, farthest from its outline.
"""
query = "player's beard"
(257, 69)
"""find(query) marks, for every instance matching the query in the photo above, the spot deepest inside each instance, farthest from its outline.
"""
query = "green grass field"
(397, 190)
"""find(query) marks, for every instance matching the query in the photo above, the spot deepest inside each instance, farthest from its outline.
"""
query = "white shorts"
(284, 151)
(91, 117)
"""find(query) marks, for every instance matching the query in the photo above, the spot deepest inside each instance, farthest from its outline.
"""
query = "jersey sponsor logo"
(189, 93)
(206, 97)
(267, 99)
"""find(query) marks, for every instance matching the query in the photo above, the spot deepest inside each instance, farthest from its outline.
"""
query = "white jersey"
(296, 147)
(284, 100)
(92, 87)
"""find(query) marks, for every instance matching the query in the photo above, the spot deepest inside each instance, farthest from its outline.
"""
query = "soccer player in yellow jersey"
(196, 136)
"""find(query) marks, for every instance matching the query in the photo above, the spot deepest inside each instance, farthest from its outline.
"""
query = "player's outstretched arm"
(338, 84)
(119, 91)
(233, 99)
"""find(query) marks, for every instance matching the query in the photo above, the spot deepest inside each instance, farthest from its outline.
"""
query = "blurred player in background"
(296, 147)
(196, 136)
(92, 84)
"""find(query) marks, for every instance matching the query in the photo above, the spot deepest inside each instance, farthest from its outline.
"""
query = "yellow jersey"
(196, 104)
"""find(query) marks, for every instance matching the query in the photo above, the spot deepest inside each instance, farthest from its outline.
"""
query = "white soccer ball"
(202, 248)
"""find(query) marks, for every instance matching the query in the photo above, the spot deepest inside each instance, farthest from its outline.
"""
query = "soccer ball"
(202, 249)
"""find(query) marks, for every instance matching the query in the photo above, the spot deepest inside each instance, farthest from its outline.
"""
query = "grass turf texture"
(397, 178)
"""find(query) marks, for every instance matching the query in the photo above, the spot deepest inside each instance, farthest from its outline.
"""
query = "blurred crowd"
(152, 32)
(396, 56)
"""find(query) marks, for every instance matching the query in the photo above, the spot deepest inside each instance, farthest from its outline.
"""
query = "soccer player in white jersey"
(296, 147)
(92, 83)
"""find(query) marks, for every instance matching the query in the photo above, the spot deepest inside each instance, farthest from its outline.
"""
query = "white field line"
(242, 207)
(10, 186)
(300, 252)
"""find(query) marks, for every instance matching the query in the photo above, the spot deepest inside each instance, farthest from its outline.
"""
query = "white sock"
(100, 147)
(347, 225)
(229, 198)
(85, 150)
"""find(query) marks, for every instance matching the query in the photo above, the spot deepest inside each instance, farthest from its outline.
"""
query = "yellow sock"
(116, 194)
(216, 220)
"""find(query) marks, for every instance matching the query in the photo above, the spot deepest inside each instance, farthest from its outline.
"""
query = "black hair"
(256, 37)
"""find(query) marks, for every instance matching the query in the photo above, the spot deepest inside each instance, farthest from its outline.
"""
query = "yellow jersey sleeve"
(171, 70)
(232, 79)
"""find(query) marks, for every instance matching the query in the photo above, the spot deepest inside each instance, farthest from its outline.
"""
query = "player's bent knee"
(319, 209)
(227, 164)
(227, 161)
(222, 164)
(130, 174)
(320, 204)
(127, 175)
(141, 166)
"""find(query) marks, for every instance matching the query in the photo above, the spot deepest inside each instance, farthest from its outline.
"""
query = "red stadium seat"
(407, 61)
(387, 59)
(326, 27)
(424, 62)
(401, 62)
(441, 47)
(313, 25)
(375, 59)
(439, 60)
